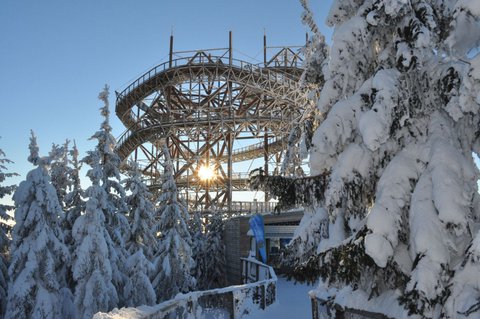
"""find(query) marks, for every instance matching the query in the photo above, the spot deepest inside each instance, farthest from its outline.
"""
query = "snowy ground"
(292, 302)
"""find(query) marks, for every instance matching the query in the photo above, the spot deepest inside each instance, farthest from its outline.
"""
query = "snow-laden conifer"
(138, 286)
(196, 230)
(142, 243)
(173, 262)
(401, 107)
(37, 269)
(141, 213)
(115, 208)
(214, 264)
(94, 250)
(5, 230)
(99, 233)
(74, 202)
(60, 172)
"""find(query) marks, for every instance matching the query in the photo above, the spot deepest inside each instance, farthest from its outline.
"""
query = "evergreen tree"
(60, 172)
(142, 243)
(37, 272)
(74, 206)
(173, 262)
(94, 251)
(99, 253)
(116, 209)
(138, 288)
(213, 275)
(199, 239)
(74, 203)
(401, 121)
(141, 214)
(5, 230)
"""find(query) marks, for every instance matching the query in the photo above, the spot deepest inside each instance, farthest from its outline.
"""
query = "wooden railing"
(327, 309)
(232, 302)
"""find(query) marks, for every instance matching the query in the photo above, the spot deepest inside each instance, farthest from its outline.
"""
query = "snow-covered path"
(292, 302)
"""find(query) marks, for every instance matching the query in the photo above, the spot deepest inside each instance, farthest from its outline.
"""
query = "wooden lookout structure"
(205, 104)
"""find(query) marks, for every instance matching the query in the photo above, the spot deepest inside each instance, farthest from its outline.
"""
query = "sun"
(206, 173)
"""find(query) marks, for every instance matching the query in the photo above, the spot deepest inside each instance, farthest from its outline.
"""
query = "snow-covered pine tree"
(5, 230)
(142, 243)
(116, 209)
(99, 234)
(213, 275)
(199, 238)
(38, 254)
(94, 250)
(74, 203)
(60, 172)
(400, 206)
(173, 262)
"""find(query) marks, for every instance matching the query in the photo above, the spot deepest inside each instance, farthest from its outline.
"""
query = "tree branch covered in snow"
(290, 191)
(401, 120)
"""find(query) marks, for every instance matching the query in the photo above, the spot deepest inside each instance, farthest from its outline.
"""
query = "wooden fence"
(233, 302)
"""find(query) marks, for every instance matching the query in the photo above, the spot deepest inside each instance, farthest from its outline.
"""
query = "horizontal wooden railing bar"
(231, 302)
(335, 311)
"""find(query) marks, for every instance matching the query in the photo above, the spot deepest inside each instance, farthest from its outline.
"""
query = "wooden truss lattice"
(202, 105)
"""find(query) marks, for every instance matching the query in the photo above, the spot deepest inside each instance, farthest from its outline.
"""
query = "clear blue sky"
(56, 55)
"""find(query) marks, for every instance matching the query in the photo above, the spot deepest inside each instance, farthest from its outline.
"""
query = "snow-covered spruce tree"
(400, 207)
(173, 262)
(74, 203)
(95, 256)
(116, 208)
(199, 238)
(60, 172)
(99, 234)
(38, 254)
(5, 230)
(213, 274)
(142, 243)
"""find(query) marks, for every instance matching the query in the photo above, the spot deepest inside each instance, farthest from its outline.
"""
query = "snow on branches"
(39, 255)
(401, 120)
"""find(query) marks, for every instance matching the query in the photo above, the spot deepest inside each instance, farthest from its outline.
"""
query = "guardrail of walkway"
(234, 302)
(202, 58)
(322, 308)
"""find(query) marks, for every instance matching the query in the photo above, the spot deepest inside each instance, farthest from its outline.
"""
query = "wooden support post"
(232, 306)
(265, 158)
(244, 272)
(264, 49)
(262, 297)
(315, 314)
(230, 52)
(229, 169)
(170, 59)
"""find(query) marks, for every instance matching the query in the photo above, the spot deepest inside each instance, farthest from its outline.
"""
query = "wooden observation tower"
(214, 112)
